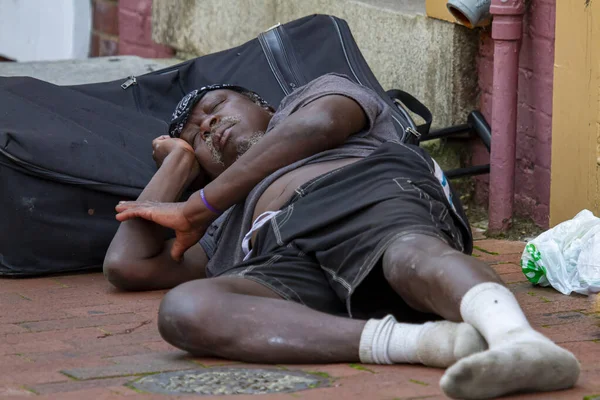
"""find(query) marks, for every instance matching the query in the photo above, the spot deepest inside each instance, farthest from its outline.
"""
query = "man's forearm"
(305, 133)
(276, 150)
(141, 239)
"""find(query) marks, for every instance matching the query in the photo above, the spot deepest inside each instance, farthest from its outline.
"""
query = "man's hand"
(168, 215)
(165, 145)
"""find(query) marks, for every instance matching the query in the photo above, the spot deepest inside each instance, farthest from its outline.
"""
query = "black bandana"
(185, 106)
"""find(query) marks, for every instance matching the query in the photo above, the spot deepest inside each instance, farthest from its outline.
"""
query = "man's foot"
(525, 361)
(443, 343)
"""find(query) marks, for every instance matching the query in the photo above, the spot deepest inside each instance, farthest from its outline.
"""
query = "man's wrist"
(182, 162)
(182, 155)
(196, 212)
(171, 179)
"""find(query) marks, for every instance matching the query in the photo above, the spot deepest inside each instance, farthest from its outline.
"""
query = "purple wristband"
(211, 208)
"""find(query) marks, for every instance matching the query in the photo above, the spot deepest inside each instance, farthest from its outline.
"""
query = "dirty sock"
(518, 359)
(436, 344)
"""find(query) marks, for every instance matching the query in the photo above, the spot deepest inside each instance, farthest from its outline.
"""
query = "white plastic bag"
(566, 256)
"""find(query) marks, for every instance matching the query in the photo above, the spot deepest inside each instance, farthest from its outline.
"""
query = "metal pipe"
(482, 129)
(445, 132)
(507, 31)
(471, 13)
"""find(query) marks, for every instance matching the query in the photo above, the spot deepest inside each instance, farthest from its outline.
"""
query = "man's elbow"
(124, 274)
(336, 118)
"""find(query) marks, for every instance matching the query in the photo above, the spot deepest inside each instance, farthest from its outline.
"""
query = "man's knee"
(123, 275)
(415, 257)
(418, 268)
(188, 317)
(414, 267)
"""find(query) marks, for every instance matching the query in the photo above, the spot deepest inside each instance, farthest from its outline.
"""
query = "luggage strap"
(277, 57)
(415, 106)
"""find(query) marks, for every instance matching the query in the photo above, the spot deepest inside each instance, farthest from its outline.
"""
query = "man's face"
(223, 126)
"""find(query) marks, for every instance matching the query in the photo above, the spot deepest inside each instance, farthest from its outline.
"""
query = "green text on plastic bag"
(533, 268)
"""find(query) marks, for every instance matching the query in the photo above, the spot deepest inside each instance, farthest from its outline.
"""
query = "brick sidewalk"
(73, 337)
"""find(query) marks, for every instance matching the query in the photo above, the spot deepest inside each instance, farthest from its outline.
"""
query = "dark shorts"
(324, 249)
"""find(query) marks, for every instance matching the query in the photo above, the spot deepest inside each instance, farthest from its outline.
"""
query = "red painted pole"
(507, 31)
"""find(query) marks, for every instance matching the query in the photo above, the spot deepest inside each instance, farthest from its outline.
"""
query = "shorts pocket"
(426, 188)
(439, 211)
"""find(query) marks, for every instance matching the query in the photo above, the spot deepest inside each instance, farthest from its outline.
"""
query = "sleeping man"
(338, 244)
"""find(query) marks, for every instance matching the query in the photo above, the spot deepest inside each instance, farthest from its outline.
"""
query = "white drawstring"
(258, 223)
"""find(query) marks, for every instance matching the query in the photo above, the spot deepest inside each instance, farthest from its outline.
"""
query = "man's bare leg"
(432, 277)
(240, 319)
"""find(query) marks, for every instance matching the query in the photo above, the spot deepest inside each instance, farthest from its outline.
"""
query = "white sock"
(519, 358)
(377, 335)
(437, 344)
(494, 311)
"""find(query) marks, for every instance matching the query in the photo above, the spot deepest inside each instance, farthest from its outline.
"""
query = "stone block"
(75, 72)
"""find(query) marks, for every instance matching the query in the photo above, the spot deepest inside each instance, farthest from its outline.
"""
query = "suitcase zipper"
(279, 32)
(132, 81)
(339, 32)
(50, 175)
(343, 44)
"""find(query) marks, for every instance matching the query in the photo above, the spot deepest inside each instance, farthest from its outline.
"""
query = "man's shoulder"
(322, 83)
(327, 84)
(332, 77)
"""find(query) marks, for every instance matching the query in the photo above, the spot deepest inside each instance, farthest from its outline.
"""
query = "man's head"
(221, 122)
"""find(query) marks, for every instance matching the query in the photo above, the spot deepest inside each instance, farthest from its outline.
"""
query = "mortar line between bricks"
(66, 319)
(103, 35)
(25, 387)
(61, 330)
(131, 386)
(481, 249)
(136, 374)
(63, 285)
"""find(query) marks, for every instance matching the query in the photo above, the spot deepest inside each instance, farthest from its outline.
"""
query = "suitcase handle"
(415, 106)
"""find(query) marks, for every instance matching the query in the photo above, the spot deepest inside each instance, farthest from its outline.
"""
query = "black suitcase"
(68, 154)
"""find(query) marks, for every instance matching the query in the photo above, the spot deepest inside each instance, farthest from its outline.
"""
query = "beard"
(214, 152)
(242, 147)
(245, 144)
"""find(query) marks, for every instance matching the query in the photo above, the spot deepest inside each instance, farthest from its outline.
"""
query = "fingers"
(156, 142)
(177, 251)
(126, 205)
(183, 242)
(131, 213)
(159, 139)
(127, 210)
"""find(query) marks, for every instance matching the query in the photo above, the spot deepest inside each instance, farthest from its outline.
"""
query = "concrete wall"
(34, 30)
(433, 59)
(534, 126)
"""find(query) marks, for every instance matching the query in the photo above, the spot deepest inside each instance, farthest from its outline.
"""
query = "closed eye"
(214, 108)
